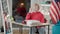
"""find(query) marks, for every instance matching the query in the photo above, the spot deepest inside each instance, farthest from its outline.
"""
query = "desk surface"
(41, 24)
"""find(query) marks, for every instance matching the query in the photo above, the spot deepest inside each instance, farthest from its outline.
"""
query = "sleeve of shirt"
(42, 18)
(28, 17)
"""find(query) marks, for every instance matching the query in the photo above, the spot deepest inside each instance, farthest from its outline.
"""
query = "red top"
(21, 11)
(35, 16)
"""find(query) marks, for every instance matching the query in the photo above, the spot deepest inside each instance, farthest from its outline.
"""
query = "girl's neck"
(37, 11)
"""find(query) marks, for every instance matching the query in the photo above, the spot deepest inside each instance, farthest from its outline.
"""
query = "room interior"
(45, 4)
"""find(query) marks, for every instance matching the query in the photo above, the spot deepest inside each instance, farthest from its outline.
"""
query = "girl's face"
(36, 7)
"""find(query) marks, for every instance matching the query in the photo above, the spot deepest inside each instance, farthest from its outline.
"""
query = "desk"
(21, 25)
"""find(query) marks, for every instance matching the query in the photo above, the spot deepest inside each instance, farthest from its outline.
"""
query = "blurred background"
(19, 9)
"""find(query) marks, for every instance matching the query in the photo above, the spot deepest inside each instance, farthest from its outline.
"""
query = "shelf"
(46, 5)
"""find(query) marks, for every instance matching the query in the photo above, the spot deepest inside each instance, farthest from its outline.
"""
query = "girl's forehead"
(36, 5)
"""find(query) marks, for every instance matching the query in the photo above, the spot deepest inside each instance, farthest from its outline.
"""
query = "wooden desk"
(21, 26)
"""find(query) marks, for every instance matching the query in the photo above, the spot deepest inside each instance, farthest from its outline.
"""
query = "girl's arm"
(28, 17)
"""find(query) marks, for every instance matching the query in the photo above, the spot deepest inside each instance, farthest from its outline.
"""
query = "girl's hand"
(24, 22)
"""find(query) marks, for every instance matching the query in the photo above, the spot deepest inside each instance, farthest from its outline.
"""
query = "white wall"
(10, 6)
(37, 1)
(0, 17)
